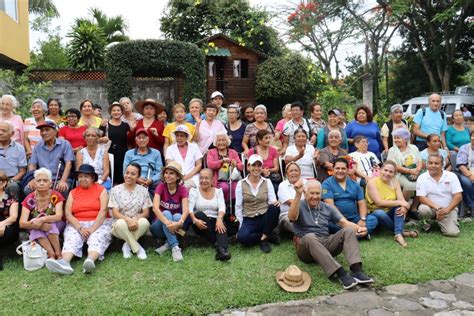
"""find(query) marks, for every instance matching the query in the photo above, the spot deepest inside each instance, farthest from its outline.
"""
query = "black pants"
(214, 237)
(9, 237)
(421, 144)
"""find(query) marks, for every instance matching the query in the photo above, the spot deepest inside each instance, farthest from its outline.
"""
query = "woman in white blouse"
(207, 210)
(302, 153)
(130, 205)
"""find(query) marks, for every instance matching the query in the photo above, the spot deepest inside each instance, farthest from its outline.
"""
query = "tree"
(437, 30)
(193, 21)
(114, 27)
(43, 7)
(50, 55)
(86, 50)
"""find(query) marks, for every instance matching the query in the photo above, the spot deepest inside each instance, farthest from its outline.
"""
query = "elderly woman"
(235, 128)
(396, 121)
(385, 201)
(207, 210)
(88, 118)
(129, 116)
(8, 217)
(206, 130)
(333, 125)
(221, 160)
(171, 208)
(32, 134)
(302, 153)
(250, 136)
(434, 147)
(187, 154)
(286, 116)
(195, 111)
(42, 213)
(179, 113)
(457, 134)
(327, 155)
(130, 204)
(117, 132)
(465, 164)
(87, 221)
(154, 127)
(72, 132)
(8, 104)
(96, 156)
(247, 114)
(269, 155)
(363, 125)
(55, 113)
(286, 195)
(256, 207)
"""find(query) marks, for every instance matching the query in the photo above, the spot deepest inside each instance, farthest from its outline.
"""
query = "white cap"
(217, 94)
(181, 129)
(254, 158)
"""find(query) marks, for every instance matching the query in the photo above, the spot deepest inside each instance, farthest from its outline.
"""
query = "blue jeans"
(253, 228)
(468, 190)
(390, 220)
(159, 230)
(371, 222)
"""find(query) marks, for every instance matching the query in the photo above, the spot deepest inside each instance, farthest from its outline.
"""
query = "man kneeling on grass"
(311, 219)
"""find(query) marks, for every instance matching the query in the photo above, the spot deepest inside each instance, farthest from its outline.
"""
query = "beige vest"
(254, 205)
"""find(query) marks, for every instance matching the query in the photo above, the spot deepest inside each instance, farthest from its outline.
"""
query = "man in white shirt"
(440, 192)
(297, 121)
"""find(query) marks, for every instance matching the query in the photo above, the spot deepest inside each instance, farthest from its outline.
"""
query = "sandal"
(410, 233)
(400, 240)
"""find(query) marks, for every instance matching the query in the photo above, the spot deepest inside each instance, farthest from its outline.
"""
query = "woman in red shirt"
(154, 127)
(72, 132)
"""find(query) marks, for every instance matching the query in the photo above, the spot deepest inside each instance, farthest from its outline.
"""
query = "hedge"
(159, 58)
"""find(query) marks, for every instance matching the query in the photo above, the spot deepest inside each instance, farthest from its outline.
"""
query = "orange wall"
(14, 36)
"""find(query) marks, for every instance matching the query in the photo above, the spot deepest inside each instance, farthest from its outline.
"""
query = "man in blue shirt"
(348, 197)
(54, 154)
(431, 120)
(149, 160)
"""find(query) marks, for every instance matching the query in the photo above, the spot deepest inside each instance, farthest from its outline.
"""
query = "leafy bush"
(86, 50)
(160, 58)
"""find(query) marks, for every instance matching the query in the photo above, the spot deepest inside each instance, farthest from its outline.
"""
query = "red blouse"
(156, 142)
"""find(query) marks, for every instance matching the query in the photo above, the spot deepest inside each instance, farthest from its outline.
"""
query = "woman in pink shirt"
(7, 104)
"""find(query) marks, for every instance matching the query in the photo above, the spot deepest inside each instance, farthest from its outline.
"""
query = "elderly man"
(440, 192)
(431, 120)
(217, 99)
(311, 219)
(348, 197)
(149, 160)
(297, 121)
(54, 154)
(12, 159)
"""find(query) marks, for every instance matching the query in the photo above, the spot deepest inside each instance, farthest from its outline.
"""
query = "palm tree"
(113, 27)
(43, 7)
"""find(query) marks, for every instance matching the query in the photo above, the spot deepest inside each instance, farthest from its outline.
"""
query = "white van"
(450, 102)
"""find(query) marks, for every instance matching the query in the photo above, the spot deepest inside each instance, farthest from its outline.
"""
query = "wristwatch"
(363, 218)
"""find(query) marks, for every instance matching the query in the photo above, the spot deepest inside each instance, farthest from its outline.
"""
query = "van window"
(448, 108)
(416, 107)
(405, 107)
(470, 107)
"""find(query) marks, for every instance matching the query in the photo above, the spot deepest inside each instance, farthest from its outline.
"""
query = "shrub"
(86, 51)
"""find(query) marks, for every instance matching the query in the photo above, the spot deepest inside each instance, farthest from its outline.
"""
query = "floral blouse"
(5, 202)
(129, 203)
(30, 203)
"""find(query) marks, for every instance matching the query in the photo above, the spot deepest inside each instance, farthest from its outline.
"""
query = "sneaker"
(60, 266)
(222, 254)
(361, 278)
(88, 266)
(141, 254)
(162, 249)
(176, 254)
(126, 250)
(265, 246)
(274, 239)
(347, 281)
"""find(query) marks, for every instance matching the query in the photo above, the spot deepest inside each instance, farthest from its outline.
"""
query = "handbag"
(235, 175)
(275, 177)
(34, 256)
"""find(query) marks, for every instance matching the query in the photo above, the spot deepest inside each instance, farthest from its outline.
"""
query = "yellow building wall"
(14, 36)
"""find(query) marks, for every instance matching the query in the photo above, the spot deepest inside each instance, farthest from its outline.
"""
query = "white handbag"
(235, 174)
(34, 256)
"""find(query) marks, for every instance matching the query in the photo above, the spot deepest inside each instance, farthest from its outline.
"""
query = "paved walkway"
(441, 298)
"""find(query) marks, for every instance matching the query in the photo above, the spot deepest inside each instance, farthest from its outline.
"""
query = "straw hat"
(293, 279)
(173, 165)
(141, 104)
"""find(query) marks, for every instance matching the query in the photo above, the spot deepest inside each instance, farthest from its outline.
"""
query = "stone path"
(453, 297)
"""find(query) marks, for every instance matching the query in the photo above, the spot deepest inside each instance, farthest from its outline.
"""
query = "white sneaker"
(141, 254)
(59, 266)
(162, 249)
(88, 266)
(176, 254)
(126, 250)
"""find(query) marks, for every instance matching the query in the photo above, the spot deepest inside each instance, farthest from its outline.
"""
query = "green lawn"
(200, 284)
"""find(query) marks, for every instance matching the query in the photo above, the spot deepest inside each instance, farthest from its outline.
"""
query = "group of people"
(224, 172)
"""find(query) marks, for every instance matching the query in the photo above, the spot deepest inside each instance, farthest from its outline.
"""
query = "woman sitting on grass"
(171, 207)
(130, 205)
(87, 217)
(386, 202)
(207, 210)
(8, 216)
(42, 213)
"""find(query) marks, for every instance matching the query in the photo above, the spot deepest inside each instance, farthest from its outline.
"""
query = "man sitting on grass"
(311, 219)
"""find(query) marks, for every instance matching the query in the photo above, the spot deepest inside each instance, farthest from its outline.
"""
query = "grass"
(201, 285)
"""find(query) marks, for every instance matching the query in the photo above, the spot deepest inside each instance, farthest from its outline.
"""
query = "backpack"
(424, 113)
(390, 130)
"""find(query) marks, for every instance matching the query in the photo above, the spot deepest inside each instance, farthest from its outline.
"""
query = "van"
(463, 96)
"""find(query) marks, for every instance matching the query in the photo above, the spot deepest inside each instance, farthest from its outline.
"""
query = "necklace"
(315, 212)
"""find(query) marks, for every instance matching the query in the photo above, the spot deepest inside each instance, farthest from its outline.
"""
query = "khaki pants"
(120, 230)
(449, 224)
(322, 249)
